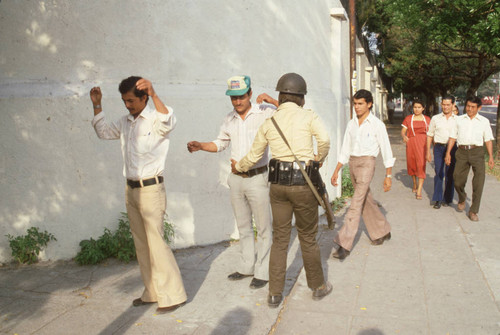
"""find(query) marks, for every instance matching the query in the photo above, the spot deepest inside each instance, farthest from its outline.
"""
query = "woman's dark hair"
(418, 101)
(128, 85)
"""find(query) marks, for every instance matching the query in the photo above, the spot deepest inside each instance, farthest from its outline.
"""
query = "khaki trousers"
(465, 159)
(362, 170)
(250, 196)
(159, 271)
(285, 202)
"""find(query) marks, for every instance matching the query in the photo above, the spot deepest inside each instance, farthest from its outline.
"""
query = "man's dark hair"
(474, 99)
(290, 97)
(128, 85)
(449, 97)
(364, 94)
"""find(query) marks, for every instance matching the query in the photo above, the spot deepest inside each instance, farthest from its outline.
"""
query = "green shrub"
(26, 248)
(347, 187)
(347, 190)
(118, 244)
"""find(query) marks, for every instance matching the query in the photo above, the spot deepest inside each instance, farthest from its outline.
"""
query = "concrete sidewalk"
(439, 274)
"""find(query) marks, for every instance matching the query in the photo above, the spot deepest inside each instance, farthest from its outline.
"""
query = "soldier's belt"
(288, 173)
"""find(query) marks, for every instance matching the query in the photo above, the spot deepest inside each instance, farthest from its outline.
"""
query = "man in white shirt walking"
(144, 136)
(470, 132)
(364, 138)
(439, 133)
(249, 190)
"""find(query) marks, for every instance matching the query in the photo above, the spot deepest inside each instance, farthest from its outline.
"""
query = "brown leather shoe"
(169, 309)
(381, 240)
(274, 301)
(139, 302)
(322, 291)
(341, 253)
(473, 216)
(461, 206)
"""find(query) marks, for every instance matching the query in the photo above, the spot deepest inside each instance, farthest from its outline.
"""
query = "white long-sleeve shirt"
(368, 139)
(144, 140)
(241, 133)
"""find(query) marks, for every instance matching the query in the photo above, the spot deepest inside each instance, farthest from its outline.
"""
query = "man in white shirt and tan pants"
(144, 136)
(470, 132)
(364, 138)
(249, 190)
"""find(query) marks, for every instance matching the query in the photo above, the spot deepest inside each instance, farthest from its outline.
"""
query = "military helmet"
(292, 83)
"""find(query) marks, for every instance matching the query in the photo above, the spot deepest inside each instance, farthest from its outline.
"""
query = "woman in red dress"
(414, 134)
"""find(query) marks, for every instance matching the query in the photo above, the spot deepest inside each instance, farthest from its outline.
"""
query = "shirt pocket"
(366, 141)
(143, 140)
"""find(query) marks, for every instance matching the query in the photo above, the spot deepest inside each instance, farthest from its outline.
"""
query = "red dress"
(416, 148)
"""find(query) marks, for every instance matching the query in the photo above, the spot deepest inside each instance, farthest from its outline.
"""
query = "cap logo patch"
(235, 84)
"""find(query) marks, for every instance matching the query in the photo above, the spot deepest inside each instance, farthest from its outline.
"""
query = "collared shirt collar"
(369, 118)
(146, 113)
(475, 116)
(443, 115)
(250, 111)
(287, 105)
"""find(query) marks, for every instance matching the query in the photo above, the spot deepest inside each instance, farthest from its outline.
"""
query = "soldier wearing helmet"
(290, 195)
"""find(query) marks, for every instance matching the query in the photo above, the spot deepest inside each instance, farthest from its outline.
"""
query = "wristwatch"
(389, 176)
(97, 107)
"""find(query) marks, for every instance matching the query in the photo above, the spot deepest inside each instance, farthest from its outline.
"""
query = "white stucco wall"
(57, 175)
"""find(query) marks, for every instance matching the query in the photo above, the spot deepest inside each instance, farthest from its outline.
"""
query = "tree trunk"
(432, 106)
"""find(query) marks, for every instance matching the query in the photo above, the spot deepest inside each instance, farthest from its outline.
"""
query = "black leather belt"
(145, 182)
(252, 172)
(441, 144)
(468, 147)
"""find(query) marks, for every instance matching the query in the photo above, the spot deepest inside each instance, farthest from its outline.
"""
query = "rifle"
(321, 189)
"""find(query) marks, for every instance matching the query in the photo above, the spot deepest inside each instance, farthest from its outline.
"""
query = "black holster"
(288, 173)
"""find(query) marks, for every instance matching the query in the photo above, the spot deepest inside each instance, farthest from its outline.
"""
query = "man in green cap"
(249, 190)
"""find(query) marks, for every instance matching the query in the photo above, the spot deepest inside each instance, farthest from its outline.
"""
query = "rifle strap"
(304, 173)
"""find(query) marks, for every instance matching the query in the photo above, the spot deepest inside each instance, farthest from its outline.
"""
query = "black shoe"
(258, 283)
(237, 276)
(445, 204)
(381, 240)
(341, 253)
(322, 291)
(274, 301)
(437, 205)
(139, 302)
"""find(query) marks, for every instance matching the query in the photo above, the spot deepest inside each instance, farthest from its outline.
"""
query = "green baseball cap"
(238, 85)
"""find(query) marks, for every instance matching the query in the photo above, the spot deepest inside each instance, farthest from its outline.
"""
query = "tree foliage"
(432, 46)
